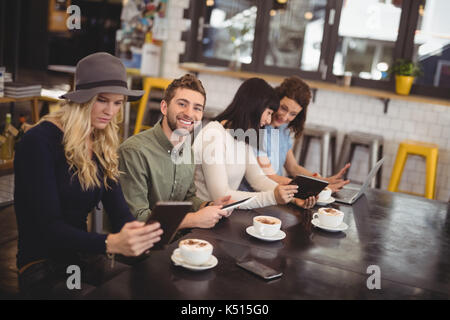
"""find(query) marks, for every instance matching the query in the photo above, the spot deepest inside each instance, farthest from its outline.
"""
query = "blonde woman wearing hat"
(64, 166)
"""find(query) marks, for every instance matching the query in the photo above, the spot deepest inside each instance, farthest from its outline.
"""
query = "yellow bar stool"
(149, 84)
(427, 150)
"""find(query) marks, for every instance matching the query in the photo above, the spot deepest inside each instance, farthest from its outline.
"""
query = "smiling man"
(149, 172)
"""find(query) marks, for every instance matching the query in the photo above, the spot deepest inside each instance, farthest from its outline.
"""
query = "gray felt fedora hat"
(100, 73)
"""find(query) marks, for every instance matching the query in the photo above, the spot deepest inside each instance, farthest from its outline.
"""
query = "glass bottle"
(7, 148)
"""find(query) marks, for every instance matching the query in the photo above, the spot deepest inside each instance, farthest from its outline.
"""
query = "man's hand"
(222, 201)
(206, 217)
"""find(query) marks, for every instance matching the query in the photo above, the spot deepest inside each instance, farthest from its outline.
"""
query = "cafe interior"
(379, 77)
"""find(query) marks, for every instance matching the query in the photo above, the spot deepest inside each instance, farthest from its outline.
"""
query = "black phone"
(259, 269)
(308, 186)
(169, 214)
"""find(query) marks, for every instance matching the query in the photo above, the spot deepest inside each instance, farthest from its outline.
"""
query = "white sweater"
(221, 163)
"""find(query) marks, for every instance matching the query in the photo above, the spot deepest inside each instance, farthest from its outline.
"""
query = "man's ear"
(163, 107)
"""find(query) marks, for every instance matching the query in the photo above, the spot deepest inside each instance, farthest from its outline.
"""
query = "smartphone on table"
(259, 269)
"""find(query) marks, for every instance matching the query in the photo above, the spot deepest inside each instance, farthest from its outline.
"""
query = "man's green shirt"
(149, 174)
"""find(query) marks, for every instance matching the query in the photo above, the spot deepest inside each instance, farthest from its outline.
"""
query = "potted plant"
(405, 71)
(238, 34)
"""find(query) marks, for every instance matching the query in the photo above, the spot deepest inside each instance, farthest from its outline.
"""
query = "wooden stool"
(149, 84)
(371, 141)
(427, 150)
(327, 136)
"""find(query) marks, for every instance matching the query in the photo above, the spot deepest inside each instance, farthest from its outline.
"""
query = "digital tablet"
(169, 214)
(233, 205)
(308, 186)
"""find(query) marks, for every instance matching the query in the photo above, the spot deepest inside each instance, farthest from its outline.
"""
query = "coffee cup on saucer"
(324, 195)
(329, 217)
(195, 251)
(266, 226)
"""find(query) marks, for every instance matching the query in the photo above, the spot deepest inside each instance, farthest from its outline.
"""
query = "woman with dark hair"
(224, 153)
(289, 119)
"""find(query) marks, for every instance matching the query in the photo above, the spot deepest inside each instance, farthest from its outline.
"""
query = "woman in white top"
(223, 150)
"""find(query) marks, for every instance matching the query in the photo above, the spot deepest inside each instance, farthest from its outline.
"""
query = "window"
(229, 30)
(323, 39)
(367, 36)
(432, 43)
(295, 34)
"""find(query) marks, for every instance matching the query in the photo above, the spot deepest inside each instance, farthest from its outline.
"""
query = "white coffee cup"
(325, 194)
(266, 226)
(329, 217)
(195, 251)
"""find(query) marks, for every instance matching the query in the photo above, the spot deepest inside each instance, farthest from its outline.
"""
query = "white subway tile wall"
(346, 112)
(174, 47)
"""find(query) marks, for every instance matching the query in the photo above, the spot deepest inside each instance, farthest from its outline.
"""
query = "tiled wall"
(174, 47)
(404, 120)
(346, 112)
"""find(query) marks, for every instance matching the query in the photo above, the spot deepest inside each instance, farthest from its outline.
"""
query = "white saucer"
(325, 202)
(178, 261)
(342, 227)
(280, 235)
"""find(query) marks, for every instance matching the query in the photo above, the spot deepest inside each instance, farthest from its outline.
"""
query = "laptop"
(349, 194)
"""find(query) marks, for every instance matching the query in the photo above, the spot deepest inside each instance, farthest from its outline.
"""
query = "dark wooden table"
(406, 237)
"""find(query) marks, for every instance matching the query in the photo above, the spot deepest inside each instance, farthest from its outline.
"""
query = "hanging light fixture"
(309, 15)
(421, 10)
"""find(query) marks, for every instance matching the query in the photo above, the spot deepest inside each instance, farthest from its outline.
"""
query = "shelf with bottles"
(7, 139)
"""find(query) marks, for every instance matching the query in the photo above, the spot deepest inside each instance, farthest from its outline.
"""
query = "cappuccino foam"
(332, 212)
(267, 221)
(195, 244)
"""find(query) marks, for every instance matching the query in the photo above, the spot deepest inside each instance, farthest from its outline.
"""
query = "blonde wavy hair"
(75, 120)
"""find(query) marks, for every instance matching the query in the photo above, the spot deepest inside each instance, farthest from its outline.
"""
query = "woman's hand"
(335, 187)
(307, 203)
(134, 239)
(336, 182)
(285, 193)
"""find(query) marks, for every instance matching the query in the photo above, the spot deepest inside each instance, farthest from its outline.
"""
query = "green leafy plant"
(403, 67)
(237, 34)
